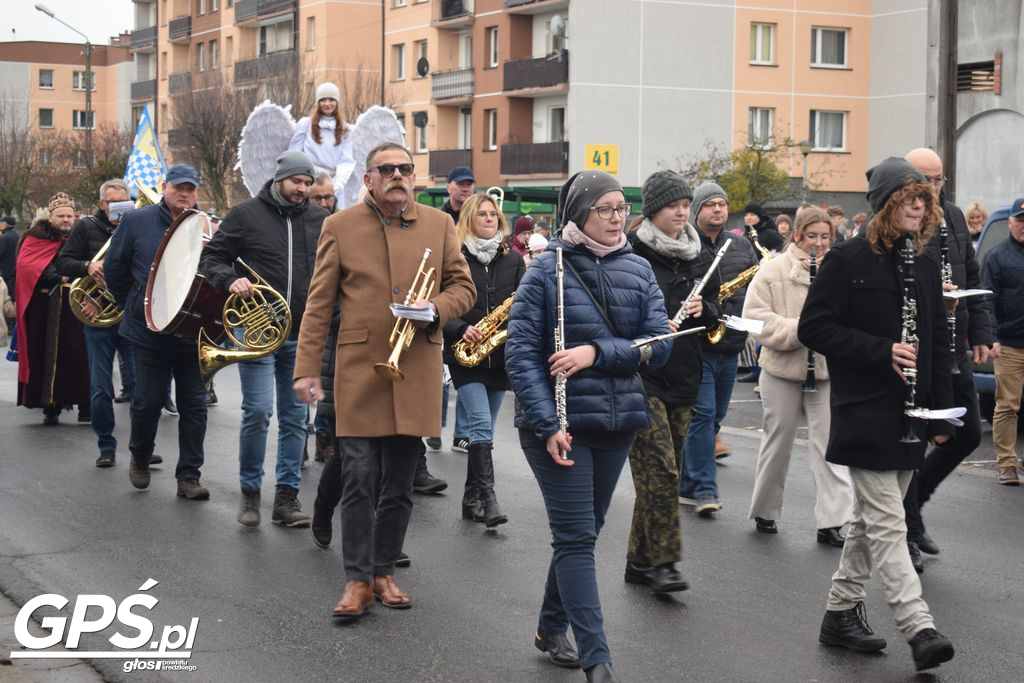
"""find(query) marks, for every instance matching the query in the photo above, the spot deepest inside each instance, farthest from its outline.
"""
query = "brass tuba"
(497, 194)
(264, 320)
(403, 331)
(493, 327)
(87, 289)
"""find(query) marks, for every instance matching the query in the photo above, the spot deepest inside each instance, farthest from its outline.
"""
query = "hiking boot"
(930, 649)
(193, 490)
(249, 510)
(849, 628)
(106, 459)
(138, 474)
(287, 510)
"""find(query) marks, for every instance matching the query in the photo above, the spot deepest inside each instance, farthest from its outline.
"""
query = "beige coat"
(363, 267)
(7, 309)
(776, 296)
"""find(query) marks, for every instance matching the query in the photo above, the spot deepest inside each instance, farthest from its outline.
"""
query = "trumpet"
(403, 331)
(87, 290)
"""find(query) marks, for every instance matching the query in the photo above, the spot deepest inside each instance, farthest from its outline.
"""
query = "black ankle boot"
(472, 510)
(602, 673)
(849, 628)
(321, 525)
(483, 464)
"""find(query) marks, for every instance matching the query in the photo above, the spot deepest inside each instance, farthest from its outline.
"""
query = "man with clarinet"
(875, 312)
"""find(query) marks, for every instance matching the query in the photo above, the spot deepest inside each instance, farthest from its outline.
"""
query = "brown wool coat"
(363, 267)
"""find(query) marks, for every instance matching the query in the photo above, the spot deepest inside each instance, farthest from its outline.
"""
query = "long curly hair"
(467, 214)
(885, 227)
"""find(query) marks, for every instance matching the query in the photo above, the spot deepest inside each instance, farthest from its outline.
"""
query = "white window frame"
(757, 44)
(815, 130)
(45, 156)
(273, 26)
(202, 7)
(419, 52)
(816, 35)
(492, 47)
(214, 57)
(310, 33)
(399, 3)
(41, 110)
(398, 55)
(755, 116)
(78, 118)
(465, 128)
(552, 137)
(491, 115)
(421, 138)
(200, 56)
(214, 6)
(46, 87)
(78, 81)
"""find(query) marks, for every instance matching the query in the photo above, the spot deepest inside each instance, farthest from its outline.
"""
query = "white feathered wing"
(375, 125)
(265, 136)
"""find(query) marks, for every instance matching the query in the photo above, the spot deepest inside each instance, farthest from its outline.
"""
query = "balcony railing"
(544, 157)
(450, 84)
(542, 72)
(180, 82)
(453, 13)
(276, 64)
(144, 90)
(444, 160)
(141, 37)
(179, 28)
(249, 11)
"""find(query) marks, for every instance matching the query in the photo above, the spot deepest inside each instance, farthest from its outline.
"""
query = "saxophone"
(736, 284)
(493, 327)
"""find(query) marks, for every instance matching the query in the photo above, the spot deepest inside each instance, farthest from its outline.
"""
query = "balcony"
(178, 83)
(444, 160)
(249, 12)
(534, 6)
(144, 37)
(179, 30)
(276, 64)
(455, 86)
(453, 14)
(144, 90)
(547, 158)
(540, 75)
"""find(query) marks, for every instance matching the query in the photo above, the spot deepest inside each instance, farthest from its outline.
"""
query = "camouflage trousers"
(655, 461)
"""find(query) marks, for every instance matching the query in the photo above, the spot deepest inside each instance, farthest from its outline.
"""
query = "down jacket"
(609, 396)
(1003, 273)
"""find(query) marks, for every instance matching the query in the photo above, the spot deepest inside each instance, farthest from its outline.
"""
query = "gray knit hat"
(292, 163)
(661, 189)
(580, 192)
(705, 192)
(887, 177)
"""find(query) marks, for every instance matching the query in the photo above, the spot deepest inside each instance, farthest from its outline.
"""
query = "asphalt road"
(263, 596)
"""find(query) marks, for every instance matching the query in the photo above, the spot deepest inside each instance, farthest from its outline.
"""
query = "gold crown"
(60, 199)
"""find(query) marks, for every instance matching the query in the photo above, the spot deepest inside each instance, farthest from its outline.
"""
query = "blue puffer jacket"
(609, 396)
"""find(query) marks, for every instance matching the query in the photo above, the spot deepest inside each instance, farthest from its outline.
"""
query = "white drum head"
(177, 269)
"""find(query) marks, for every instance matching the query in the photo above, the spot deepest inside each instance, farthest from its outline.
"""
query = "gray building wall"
(14, 87)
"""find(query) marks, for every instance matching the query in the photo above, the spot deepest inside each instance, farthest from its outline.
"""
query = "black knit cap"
(887, 177)
(661, 189)
(579, 193)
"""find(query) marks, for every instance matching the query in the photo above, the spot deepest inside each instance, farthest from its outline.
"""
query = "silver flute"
(947, 278)
(908, 335)
(698, 287)
(560, 409)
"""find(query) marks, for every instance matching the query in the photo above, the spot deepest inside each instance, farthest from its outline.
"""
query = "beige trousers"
(781, 401)
(877, 537)
(1009, 368)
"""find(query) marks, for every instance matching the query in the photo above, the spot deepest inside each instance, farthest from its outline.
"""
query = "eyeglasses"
(925, 199)
(388, 170)
(605, 212)
(321, 198)
(936, 179)
(715, 205)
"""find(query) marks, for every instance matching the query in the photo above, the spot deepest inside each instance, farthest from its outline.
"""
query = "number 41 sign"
(602, 158)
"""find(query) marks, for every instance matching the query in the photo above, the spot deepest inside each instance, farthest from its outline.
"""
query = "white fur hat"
(327, 91)
(537, 242)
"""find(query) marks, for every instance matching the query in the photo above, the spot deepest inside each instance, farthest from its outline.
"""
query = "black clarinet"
(947, 278)
(908, 335)
(810, 385)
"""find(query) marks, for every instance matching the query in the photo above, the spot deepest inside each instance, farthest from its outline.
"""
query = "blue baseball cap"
(182, 173)
(460, 173)
(1017, 208)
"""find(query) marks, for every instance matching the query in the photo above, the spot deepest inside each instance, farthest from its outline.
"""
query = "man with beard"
(279, 222)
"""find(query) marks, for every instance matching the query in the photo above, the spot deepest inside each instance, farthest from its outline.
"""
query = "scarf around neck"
(572, 234)
(484, 250)
(686, 247)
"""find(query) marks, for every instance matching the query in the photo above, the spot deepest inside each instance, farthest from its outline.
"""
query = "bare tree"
(17, 155)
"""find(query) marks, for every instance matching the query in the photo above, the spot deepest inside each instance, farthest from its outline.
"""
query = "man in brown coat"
(366, 260)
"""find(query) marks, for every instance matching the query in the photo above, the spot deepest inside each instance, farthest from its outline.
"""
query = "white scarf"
(686, 247)
(483, 249)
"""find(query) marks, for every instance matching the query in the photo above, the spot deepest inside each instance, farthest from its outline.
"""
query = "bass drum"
(179, 301)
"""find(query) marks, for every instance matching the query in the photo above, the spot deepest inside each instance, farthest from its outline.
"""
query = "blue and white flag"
(146, 163)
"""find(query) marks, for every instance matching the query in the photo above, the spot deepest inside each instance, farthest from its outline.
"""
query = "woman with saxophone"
(792, 380)
(496, 272)
(602, 297)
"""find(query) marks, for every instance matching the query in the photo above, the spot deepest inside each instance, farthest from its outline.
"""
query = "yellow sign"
(601, 158)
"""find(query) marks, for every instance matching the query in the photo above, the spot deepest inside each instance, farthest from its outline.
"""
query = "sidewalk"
(40, 670)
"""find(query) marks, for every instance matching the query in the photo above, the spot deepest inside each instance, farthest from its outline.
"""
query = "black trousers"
(376, 501)
(153, 371)
(942, 460)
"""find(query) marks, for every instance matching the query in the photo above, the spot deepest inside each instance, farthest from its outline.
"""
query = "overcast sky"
(98, 19)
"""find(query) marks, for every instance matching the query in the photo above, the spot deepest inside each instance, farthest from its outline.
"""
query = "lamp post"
(805, 149)
(88, 81)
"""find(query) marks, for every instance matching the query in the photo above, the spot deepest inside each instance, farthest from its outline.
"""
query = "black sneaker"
(638, 573)
(123, 397)
(434, 443)
(170, 408)
(211, 397)
(460, 444)
(930, 649)
(403, 560)
(849, 628)
(765, 526)
(106, 459)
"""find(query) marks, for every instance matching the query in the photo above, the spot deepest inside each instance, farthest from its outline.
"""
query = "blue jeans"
(259, 379)
(481, 405)
(101, 344)
(697, 479)
(460, 413)
(576, 499)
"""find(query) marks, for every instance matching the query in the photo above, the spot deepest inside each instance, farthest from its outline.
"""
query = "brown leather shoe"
(721, 450)
(192, 490)
(1008, 476)
(390, 595)
(139, 474)
(358, 596)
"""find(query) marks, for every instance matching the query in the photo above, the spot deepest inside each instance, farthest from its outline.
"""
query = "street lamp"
(805, 149)
(88, 81)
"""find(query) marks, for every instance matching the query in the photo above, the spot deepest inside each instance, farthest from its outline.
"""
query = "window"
(202, 7)
(201, 57)
(310, 33)
(759, 127)
(78, 80)
(214, 58)
(45, 156)
(46, 118)
(229, 46)
(466, 128)
(828, 130)
(491, 115)
(81, 158)
(762, 43)
(277, 37)
(78, 119)
(556, 123)
(399, 57)
(46, 79)
(492, 46)
(419, 53)
(419, 120)
(214, 5)
(399, 3)
(828, 47)
(465, 51)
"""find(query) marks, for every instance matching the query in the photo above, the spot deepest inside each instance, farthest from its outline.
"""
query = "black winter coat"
(1003, 273)
(739, 257)
(494, 283)
(88, 236)
(678, 380)
(852, 316)
(257, 231)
